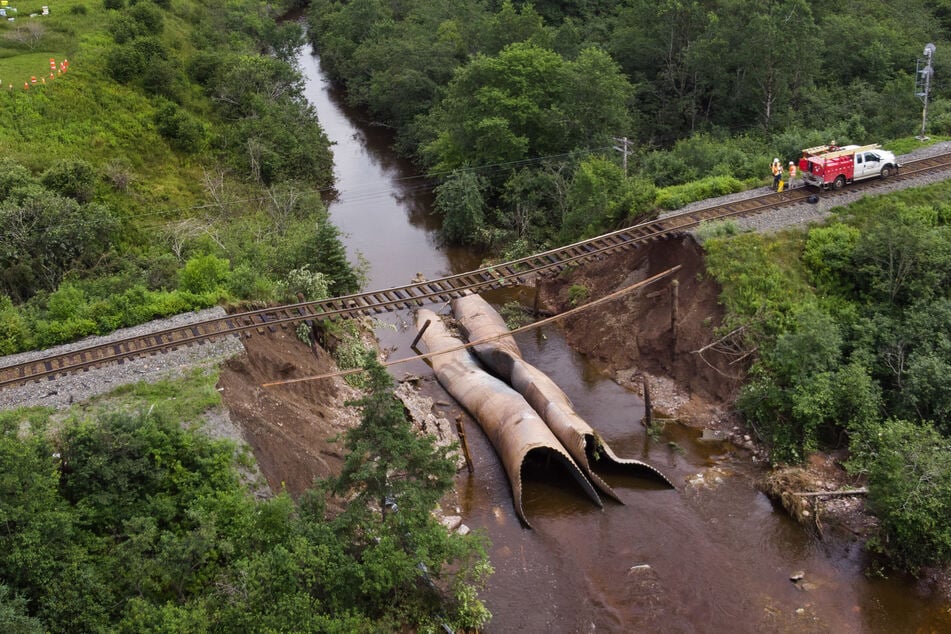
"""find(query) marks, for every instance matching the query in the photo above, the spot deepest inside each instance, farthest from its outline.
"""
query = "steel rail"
(429, 291)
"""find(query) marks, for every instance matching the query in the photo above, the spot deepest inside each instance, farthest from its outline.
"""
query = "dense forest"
(173, 166)
(850, 323)
(127, 518)
(523, 109)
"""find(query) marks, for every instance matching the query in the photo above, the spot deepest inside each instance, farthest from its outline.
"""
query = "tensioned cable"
(465, 346)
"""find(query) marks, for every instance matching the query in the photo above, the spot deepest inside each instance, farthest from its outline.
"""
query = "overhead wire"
(465, 346)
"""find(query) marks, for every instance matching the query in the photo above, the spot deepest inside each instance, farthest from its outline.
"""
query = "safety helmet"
(790, 162)
(775, 160)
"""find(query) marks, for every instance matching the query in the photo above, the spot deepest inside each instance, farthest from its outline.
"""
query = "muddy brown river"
(714, 555)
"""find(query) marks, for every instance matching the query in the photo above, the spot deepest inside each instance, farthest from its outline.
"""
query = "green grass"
(907, 145)
(16, 70)
(183, 399)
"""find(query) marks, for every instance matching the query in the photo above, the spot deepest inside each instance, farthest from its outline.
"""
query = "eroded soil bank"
(634, 335)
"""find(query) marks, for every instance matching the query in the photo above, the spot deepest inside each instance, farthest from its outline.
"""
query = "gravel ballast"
(65, 390)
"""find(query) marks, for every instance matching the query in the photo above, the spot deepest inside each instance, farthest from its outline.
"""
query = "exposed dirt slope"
(633, 334)
(290, 427)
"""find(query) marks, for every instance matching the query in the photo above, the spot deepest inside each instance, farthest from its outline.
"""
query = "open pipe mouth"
(542, 459)
(546, 459)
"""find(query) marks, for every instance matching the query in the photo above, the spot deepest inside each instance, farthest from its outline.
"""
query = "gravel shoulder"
(66, 390)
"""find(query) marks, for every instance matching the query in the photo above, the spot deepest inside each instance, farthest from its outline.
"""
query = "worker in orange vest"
(777, 174)
(792, 174)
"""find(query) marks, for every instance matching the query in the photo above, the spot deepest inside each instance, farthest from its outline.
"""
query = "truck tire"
(886, 171)
(839, 182)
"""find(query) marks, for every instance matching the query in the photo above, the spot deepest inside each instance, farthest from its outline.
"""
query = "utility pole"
(624, 149)
(923, 86)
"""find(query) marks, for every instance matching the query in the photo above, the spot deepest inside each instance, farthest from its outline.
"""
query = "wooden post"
(648, 410)
(465, 445)
(420, 334)
(674, 305)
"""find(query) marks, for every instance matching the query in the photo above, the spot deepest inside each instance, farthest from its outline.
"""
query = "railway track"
(430, 291)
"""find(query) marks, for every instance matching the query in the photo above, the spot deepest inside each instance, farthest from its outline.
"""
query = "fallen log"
(836, 493)
(514, 428)
(479, 320)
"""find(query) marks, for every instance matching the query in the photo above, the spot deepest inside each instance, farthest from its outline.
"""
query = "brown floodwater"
(712, 555)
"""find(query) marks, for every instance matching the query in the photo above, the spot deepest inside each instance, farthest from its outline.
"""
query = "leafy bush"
(14, 331)
(828, 253)
(909, 482)
(459, 200)
(204, 273)
(677, 196)
(66, 302)
(54, 333)
(183, 131)
(312, 285)
(248, 283)
(577, 294)
(148, 16)
(601, 197)
(73, 178)
(12, 176)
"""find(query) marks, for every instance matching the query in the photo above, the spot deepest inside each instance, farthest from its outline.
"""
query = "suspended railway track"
(431, 291)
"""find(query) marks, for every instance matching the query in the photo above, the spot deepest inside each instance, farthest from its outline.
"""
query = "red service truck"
(829, 166)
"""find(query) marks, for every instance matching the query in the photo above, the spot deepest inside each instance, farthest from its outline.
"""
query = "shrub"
(247, 283)
(312, 285)
(577, 294)
(14, 332)
(677, 196)
(73, 178)
(66, 303)
(910, 491)
(12, 176)
(149, 16)
(828, 253)
(460, 200)
(183, 131)
(54, 333)
(123, 63)
(203, 274)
